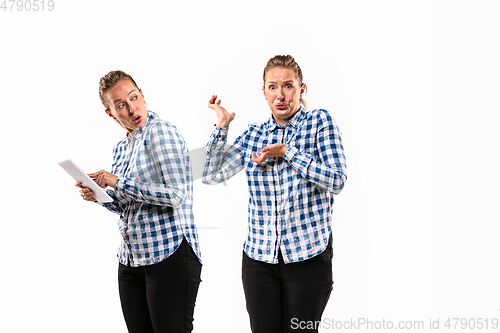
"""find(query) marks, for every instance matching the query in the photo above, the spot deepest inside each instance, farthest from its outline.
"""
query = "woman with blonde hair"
(295, 164)
(151, 186)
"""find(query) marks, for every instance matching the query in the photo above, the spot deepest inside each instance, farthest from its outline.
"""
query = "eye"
(134, 98)
(289, 86)
(271, 87)
(119, 106)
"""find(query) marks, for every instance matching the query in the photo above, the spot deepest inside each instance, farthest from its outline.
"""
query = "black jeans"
(283, 298)
(161, 297)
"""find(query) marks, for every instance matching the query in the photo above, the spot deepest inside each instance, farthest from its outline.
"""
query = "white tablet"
(80, 176)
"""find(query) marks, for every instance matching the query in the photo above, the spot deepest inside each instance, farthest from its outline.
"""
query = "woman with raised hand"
(151, 185)
(295, 164)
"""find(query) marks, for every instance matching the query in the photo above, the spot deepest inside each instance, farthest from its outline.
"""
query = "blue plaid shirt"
(291, 197)
(153, 194)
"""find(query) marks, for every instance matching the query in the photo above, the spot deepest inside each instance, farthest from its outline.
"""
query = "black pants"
(160, 297)
(282, 298)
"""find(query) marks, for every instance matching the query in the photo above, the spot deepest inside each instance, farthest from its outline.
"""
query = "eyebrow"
(285, 81)
(119, 99)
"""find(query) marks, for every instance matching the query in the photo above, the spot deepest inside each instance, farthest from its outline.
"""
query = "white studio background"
(413, 86)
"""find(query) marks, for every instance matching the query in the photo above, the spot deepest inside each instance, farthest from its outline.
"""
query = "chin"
(278, 111)
(284, 113)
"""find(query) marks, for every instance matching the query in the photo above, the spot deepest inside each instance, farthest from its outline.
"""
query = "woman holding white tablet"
(151, 185)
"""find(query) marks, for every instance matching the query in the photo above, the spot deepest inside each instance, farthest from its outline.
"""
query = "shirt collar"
(137, 133)
(272, 125)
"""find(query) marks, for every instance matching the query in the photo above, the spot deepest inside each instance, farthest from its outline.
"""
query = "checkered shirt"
(153, 194)
(290, 197)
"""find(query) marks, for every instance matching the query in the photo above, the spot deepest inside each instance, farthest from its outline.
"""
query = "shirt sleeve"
(222, 162)
(119, 202)
(115, 206)
(170, 156)
(329, 172)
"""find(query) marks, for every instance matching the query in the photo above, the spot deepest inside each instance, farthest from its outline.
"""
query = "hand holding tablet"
(80, 176)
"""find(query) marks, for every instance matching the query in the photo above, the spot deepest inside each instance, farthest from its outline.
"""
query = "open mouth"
(281, 106)
(136, 120)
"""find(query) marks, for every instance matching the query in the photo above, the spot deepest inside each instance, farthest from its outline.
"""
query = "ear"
(140, 90)
(302, 89)
(264, 91)
(109, 113)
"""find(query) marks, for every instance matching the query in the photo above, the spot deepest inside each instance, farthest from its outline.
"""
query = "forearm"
(221, 163)
(330, 178)
(112, 206)
(151, 193)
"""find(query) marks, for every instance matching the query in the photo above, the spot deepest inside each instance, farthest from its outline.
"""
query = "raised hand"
(275, 150)
(224, 118)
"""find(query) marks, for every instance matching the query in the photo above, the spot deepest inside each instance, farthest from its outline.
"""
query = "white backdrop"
(413, 86)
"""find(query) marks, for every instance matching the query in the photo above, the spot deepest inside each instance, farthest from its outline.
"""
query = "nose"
(131, 108)
(279, 94)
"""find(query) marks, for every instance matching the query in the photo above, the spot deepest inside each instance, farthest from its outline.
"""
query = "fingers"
(105, 179)
(87, 194)
(214, 104)
(102, 179)
(258, 158)
(224, 118)
(272, 147)
(268, 150)
(93, 175)
(213, 100)
(275, 150)
(255, 158)
(99, 177)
